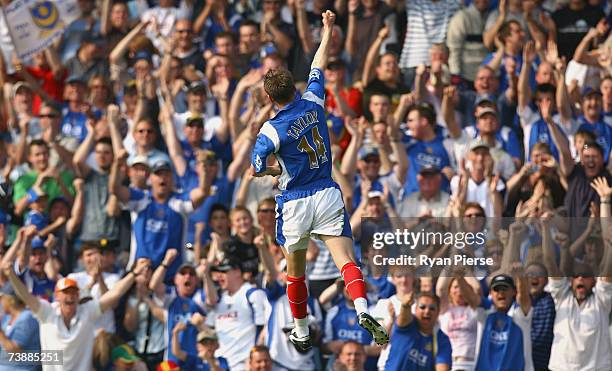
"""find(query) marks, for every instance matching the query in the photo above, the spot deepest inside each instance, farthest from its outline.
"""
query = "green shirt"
(50, 186)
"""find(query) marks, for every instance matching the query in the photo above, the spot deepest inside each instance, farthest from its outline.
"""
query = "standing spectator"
(162, 213)
(430, 200)
(543, 313)
(97, 223)
(415, 337)
(74, 111)
(87, 62)
(573, 22)
(351, 358)
(364, 15)
(66, 313)
(508, 59)
(239, 315)
(54, 183)
(93, 282)
(583, 303)
(19, 332)
(505, 331)
(593, 120)
(428, 22)
(464, 40)
(526, 12)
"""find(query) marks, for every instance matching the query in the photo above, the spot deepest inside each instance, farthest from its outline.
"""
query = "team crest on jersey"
(429, 150)
(185, 307)
(314, 74)
(428, 347)
(500, 323)
(351, 321)
(159, 213)
(258, 163)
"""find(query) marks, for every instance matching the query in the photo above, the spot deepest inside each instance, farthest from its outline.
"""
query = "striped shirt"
(427, 24)
(542, 329)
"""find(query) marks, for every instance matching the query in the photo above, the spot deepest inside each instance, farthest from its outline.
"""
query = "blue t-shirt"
(25, 333)
(159, 227)
(180, 310)
(540, 133)
(384, 287)
(298, 136)
(412, 351)
(38, 219)
(422, 154)
(195, 363)
(221, 192)
(73, 123)
(501, 346)
(40, 287)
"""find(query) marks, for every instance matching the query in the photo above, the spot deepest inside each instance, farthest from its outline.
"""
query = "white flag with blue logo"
(35, 24)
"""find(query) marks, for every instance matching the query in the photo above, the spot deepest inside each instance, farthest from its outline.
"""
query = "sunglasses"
(431, 307)
(265, 210)
(141, 131)
(188, 272)
(500, 288)
(49, 115)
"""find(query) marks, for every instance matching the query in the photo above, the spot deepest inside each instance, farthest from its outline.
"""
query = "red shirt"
(48, 82)
(352, 96)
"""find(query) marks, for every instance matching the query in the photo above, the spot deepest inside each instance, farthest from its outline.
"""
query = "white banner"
(35, 24)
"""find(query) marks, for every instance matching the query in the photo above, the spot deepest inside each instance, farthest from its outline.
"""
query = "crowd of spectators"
(133, 235)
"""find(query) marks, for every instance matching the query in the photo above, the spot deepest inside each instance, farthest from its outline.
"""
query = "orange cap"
(65, 283)
(168, 366)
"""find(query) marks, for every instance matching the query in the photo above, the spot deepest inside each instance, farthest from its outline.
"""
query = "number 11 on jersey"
(319, 152)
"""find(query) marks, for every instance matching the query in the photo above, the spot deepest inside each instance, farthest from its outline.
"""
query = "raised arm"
(111, 298)
(522, 288)
(351, 33)
(562, 96)
(489, 35)
(548, 252)
(20, 289)
(157, 278)
(357, 129)
(172, 142)
(566, 161)
(448, 111)
(320, 57)
(582, 54)
(114, 181)
(78, 208)
(80, 156)
(524, 90)
(373, 52)
(303, 27)
(179, 353)
(405, 315)
(199, 194)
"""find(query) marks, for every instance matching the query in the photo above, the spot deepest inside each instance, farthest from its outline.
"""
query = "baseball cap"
(484, 98)
(227, 264)
(144, 55)
(478, 144)
(138, 159)
(375, 193)
(75, 79)
(335, 63)
(168, 366)
(368, 151)
(207, 334)
(502, 280)
(37, 243)
(124, 353)
(65, 283)
(161, 165)
(588, 90)
(186, 265)
(196, 86)
(34, 196)
(19, 86)
(195, 120)
(486, 111)
(429, 170)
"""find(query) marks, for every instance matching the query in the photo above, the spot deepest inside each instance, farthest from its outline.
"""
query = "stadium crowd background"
(124, 156)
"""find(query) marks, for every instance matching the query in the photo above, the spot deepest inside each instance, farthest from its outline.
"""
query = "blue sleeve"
(444, 355)
(223, 363)
(488, 59)
(190, 363)
(315, 91)
(274, 290)
(136, 194)
(513, 146)
(23, 333)
(263, 148)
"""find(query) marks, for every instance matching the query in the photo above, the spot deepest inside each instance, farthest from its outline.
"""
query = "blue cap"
(143, 55)
(484, 98)
(75, 79)
(268, 49)
(367, 151)
(38, 243)
(588, 90)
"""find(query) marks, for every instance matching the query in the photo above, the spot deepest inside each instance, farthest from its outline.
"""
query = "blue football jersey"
(299, 139)
(602, 131)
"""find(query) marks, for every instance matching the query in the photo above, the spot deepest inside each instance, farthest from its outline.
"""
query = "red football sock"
(353, 281)
(297, 293)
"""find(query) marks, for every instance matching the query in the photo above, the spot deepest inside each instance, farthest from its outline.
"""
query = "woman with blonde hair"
(19, 329)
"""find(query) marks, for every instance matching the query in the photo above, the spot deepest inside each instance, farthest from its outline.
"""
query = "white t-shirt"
(415, 205)
(478, 193)
(235, 321)
(77, 342)
(460, 323)
(210, 125)
(107, 321)
(581, 334)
